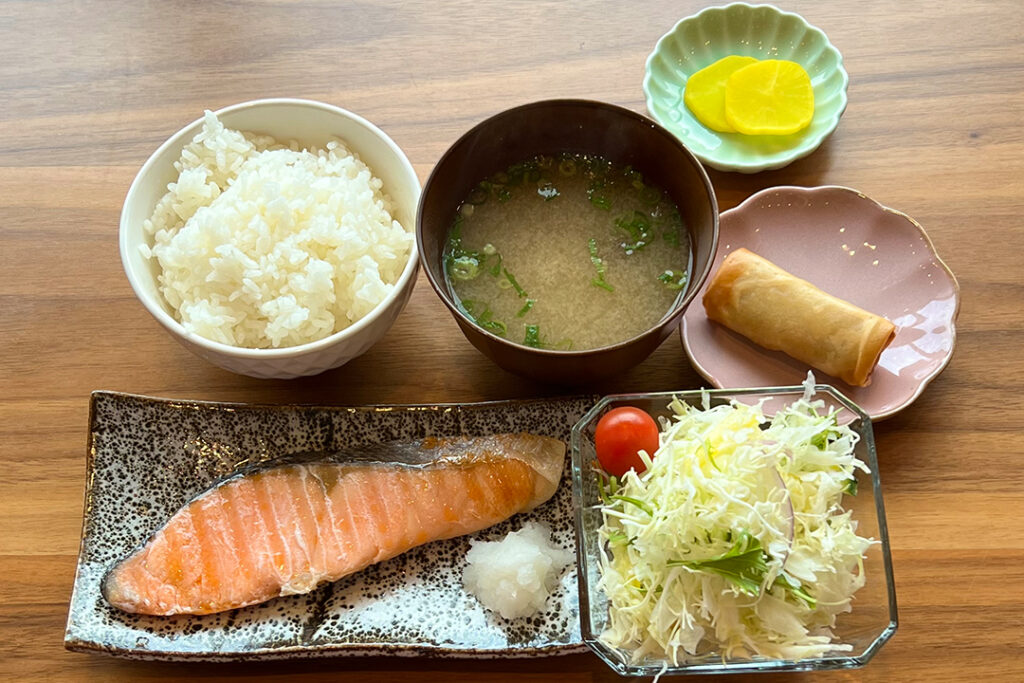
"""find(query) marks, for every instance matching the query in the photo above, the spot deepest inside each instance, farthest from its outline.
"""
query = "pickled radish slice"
(770, 97)
(705, 91)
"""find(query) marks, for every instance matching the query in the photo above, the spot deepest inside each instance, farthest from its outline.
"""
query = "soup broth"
(567, 252)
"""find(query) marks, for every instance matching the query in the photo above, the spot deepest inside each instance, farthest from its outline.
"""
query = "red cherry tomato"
(620, 434)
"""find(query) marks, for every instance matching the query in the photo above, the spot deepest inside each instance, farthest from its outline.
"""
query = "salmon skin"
(284, 529)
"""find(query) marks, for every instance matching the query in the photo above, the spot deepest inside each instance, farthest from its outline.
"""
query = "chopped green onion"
(638, 227)
(464, 267)
(495, 326)
(496, 269)
(592, 248)
(673, 279)
(462, 263)
(567, 167)
(526, 308)
(599, 264)
(851, 486)
(511, 278)
(595, 196)
(532, 337)
(469, 306)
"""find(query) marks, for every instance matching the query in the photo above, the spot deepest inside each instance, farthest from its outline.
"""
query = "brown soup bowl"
(575, 126)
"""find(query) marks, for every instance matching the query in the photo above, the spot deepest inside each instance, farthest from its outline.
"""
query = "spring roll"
(779, 311)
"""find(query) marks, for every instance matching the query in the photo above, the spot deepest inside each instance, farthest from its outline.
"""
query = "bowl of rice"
(274, 238)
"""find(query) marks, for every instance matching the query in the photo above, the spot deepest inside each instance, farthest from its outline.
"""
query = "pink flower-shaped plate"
(851, 247)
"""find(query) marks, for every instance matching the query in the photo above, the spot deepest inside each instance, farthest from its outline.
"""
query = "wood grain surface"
(934, 128)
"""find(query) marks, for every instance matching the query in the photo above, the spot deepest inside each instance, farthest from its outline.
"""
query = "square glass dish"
(873, 616)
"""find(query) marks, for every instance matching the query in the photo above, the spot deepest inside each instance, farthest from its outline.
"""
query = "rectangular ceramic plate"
(147, 457)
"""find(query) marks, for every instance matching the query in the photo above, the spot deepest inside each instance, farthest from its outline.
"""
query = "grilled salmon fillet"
(288, 528)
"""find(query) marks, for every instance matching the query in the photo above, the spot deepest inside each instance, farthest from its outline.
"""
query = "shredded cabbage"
(734, 540)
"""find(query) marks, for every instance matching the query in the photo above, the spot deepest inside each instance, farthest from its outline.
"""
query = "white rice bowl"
(262, 245)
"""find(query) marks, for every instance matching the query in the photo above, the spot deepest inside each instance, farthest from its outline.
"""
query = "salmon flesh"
(286, 529)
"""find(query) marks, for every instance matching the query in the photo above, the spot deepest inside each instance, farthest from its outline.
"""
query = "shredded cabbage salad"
(734, 540)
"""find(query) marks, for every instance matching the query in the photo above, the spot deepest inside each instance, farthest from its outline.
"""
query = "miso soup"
(567, 252)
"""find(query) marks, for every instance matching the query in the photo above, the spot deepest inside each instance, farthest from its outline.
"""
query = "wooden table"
(89, 89)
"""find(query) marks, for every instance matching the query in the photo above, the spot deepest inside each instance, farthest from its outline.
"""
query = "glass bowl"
(866, 628)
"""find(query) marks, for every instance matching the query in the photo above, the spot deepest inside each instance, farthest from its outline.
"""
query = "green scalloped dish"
(760, 31)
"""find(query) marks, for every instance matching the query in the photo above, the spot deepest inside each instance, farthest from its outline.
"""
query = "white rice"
(515, 576)
(263, 246)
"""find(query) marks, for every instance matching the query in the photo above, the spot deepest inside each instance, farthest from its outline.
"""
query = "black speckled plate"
(148, 456)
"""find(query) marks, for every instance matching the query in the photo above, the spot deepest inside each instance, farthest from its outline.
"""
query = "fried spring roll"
(779, 311)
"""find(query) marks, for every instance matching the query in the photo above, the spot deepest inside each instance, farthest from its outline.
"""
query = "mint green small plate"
(760, 31)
